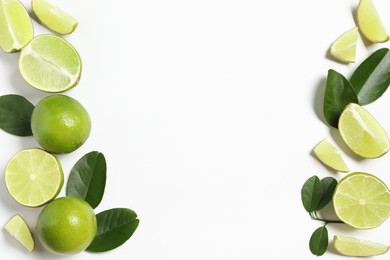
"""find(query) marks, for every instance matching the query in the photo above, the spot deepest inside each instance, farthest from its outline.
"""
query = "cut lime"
(344, 47)
(330, 156)
(34, 177)
(369, 22)
(18, 228)
(16, 29)
(51, 64)
(362, 133)
(53, 17)
(351, 246)
(362, 200)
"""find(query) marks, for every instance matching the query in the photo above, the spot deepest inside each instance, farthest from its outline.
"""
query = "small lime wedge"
(369, 22)
(34, 177)
(51, 64)
(53, 17)
(351, 246)
(18, 228)
(344, 47)
(361, 200)
(16, 29)
(362, 133)
(330, 156)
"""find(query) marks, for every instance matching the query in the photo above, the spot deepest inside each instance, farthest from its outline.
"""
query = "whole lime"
(66, 225)
(60, 124)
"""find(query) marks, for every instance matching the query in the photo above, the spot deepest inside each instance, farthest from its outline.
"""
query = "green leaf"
(319, 241)
(328, 187)
(87, 178)
(371, 79)
(338, 94)
(115, 227)
(311, 194)
(15, 115)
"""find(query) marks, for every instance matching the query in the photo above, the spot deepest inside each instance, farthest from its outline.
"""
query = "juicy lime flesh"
(330, 156)
(60, 124)
(362, 133)
(16, 29)
(66, 225)
(362, 200)
(344, 48)
(351, 246)
(34, 177)
(51, 64)
(370, 23)
(18, 228)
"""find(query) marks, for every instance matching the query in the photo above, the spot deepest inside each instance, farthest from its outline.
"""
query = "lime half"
(330, 156)
(351, 246)
(344, 47)
(18, 228)
(34, 177)
(361, 200)
(51, 64)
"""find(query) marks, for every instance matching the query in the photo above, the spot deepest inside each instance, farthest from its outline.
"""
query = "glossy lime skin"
(66, 225)
(60, 124)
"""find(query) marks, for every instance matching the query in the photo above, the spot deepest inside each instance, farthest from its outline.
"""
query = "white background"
(207, 112)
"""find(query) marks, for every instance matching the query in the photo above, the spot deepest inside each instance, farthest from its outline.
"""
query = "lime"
(60, 124)
(362, 133)
(66, 225)
(16, 29)
(361, 200)
(351, 246)
(330, 156)
(53, 17)
(34, 177)
(18, 228)
(369, 22)
(49, 63)
(344, 47)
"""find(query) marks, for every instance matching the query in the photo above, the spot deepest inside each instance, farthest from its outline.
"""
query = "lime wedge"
(18, 228)
(34, 177)
(362, 133)
(351, 246)
(344, 48)
(49, 63)
(330, 156)
(369, 22)
(53, 17)
(16, 29)
(361, 200)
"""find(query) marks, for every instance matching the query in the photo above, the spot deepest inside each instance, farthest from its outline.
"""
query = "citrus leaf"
(372, 77)
(115, 227)
(328, 187)
(338, 94)
(319, 241)
(15, 115)
(87, 178)
(311, 194)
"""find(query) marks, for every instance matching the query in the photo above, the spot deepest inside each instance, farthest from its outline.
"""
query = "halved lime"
(344, 47)
(362, 133)
(351, 246)
(51, 64)
(330, 156)
(34, 177)
(16, 29)
(361, 200)
(369, 22)
(18, 228)
(53, 17)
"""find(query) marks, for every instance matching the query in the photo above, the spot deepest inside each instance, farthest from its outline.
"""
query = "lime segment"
(351, 246)
(18, 228)
(34, 177)
(344, 48)
(330, 156)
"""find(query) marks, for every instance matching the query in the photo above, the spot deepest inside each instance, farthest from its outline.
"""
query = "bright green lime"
(330, 156)
(351, 246)
(18, 228)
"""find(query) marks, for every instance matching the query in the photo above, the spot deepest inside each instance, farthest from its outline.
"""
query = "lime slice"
(344, 48)
(361, 200)
(369, 22)
(34, 177)
(53, 17)
(18, 228)
(362, 133)
(51, 64)
(351, 246)
(16, 29)
(330, 156)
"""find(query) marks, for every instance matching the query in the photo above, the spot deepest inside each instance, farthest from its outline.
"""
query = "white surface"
(207, 112)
